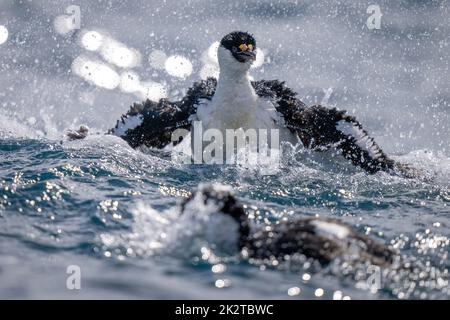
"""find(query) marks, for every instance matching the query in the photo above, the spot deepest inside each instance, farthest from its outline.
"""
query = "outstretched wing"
(321, 128)
(151, 124)
(284, 99)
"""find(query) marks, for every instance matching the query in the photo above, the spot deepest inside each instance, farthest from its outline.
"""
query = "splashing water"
(114, 211)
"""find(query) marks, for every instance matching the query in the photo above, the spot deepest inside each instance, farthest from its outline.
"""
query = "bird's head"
(237, 50)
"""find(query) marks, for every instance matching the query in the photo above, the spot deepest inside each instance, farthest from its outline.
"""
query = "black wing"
(151, 124)
(321, 128)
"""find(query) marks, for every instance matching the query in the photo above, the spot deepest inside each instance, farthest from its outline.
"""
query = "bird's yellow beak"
(246, 47)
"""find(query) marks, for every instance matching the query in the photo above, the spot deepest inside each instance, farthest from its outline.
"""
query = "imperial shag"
(234, 101)
(321, 239)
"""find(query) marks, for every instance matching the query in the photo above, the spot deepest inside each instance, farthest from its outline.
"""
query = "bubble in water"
(178, 66)
(92, 40)
(3, 34)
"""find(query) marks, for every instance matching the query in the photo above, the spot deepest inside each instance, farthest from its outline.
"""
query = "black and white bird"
(234, 101)
(324, 240)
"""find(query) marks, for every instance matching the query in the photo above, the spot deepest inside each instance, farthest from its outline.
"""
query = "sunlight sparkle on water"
(218, 268)
(222, 283)
(319, 292)
(306, 277)
(209, 70)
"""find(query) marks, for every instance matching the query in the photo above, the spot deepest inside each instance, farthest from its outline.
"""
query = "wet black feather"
(316, 126)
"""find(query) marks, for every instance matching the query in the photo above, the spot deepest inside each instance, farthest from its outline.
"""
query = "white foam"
(435, 165)
(11, 127)
(199, 231)
(202, 225)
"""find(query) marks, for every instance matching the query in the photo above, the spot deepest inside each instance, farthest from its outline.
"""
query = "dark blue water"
(102, 206)
(112, 211)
